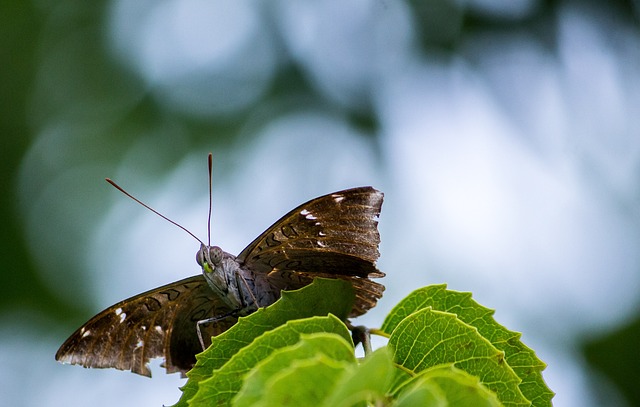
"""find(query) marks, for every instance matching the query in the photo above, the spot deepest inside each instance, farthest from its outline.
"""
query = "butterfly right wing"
(160, 323)
(332, 236)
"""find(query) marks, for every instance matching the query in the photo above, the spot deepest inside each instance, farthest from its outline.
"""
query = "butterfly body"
(333, 236)
(241, 289)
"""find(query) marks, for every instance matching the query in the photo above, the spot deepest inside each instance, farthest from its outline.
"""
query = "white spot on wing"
(122, 315)
(158, 329)
(337, 197)
(86, 333)
(307, 214)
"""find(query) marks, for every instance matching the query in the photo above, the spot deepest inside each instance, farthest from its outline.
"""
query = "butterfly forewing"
(160, 323)
(334, 236)
(343, 223)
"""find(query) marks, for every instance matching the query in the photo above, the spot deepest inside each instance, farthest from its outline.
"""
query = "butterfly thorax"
(241, 289)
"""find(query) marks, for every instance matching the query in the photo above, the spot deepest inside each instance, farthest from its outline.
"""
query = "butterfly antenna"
(119, 188)
(210, 199)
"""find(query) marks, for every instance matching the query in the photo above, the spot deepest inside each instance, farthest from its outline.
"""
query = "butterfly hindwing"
(159, 323)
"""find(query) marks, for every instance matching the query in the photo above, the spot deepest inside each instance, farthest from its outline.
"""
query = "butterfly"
(332, 236)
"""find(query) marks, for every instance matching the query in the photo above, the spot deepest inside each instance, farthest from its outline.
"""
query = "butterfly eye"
(200, 256)
(209, 257)
(215, 254)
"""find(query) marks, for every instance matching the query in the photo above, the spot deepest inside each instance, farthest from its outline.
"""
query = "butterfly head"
(221, 271)
(209, 258)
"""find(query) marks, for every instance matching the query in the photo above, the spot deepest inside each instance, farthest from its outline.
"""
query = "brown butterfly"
(333, 236)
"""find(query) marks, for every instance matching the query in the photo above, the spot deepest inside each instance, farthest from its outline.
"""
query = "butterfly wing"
(157, 323)
(333, 236)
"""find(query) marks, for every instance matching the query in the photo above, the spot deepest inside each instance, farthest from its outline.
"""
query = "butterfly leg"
(361, 334)
(250, 288)
(210, 321)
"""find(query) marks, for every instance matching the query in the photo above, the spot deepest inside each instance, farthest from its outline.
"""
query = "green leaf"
(367, 383)
(226, 381)
(309, 346)
(295, 376)
(449, 351)
(428, 338)
(445, 385)
(305, 382)
(521, 358)
(426, 394)
(322, 297)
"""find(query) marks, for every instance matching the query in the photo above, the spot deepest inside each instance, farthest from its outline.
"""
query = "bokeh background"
(504, 133)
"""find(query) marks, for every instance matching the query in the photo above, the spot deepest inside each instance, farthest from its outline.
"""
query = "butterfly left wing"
(158, 323)
(334, 236)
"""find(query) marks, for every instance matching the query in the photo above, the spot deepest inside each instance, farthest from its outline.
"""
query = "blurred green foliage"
(614, 357)
(20, 26)
(65, 39)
